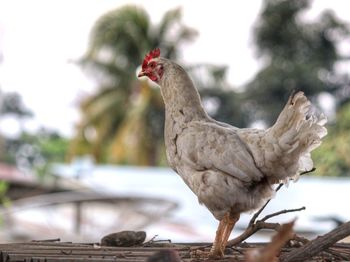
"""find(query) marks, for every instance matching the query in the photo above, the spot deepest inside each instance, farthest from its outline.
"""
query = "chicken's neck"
(181, 98)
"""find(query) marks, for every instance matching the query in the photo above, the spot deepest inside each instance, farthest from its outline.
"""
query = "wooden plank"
(29, 258)
(87, 249)
(18, 258)
(64, 252)
(92, 259)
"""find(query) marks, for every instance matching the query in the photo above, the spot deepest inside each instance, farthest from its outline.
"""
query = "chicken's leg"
(222, 234)
(216, 249)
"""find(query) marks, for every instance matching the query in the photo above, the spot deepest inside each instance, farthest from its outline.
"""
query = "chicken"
(231, 170)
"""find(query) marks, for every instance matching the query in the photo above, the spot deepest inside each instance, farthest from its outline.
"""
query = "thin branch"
(48, 240)
(255, 216)
(300, 240)
(256, 225)
(252, 230)
(261, 224)
(319, 244)
(285, 211)
(308, 171)
(279, 187)
(337, 254)
(150, 241)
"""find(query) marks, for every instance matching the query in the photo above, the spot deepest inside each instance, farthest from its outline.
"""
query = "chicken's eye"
(152, 65)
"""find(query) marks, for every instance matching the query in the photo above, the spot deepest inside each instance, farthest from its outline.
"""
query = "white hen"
(231, 170)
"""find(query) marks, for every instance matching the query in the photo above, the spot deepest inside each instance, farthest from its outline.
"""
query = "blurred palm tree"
(123, 121)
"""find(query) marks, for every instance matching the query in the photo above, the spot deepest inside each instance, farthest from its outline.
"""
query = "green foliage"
(52, 146)
(35, 151)
(4, 200)
(333, 157)
(11, 103)
(220, 100)
(300, 55)
(297, 55)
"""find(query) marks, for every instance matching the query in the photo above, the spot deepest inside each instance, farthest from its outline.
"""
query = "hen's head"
(152, 66)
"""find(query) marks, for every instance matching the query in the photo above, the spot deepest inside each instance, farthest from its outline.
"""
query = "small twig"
(308, 171)
(336, 254)
(300, 239)
(319, 244)
(285, 211)
(151, 240)
(48, 240)
(279, 187)
(261, 224)
(255, 216)
(252, 230)
(256, 225)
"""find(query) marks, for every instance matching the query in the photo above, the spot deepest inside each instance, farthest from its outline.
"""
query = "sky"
(40, 40)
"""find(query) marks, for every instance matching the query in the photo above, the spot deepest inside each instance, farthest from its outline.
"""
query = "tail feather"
(297, 131)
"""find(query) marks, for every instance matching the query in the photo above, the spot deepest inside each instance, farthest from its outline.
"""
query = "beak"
(142, 73)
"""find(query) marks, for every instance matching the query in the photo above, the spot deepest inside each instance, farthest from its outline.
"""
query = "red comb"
(153, 54)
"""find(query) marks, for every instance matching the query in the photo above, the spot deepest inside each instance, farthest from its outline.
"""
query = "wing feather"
(209, 146)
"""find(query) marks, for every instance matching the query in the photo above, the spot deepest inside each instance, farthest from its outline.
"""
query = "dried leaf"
(269, 253)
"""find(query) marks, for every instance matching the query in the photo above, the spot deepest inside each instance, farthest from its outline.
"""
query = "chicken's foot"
(222, 234)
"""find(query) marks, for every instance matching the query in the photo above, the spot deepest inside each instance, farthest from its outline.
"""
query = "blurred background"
(81, 138)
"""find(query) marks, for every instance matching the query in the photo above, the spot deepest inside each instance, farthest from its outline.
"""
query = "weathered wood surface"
(61, 251)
